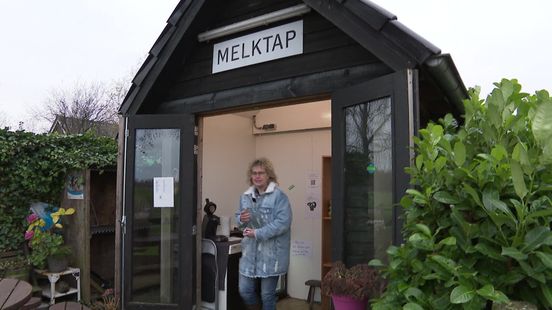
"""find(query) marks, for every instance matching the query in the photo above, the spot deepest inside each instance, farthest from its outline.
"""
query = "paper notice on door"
(163, 192)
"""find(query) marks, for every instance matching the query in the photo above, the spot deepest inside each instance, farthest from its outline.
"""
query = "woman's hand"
(249, 232)
(245, 216)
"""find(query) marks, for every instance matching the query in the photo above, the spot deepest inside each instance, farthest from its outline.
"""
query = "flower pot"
(348, 303)
(57, 263)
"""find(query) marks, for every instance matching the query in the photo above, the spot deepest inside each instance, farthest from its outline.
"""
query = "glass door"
(159, 211)
(371, 126)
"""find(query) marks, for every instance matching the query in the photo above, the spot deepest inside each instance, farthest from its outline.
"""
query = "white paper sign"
(301, 248)
(312, 205)
(163, 192)
(278, 42)
(313, 180)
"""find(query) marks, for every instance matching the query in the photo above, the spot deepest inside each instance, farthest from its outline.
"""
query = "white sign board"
(163, 192)
(278, 42)
(301, 248)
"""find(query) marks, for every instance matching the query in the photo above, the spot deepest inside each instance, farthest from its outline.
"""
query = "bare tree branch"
(83, 107)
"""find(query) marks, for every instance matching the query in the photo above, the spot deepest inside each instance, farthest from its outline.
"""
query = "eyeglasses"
(258, 173)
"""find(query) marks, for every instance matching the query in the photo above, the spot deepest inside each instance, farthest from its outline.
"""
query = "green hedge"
(477, 222)
(33, 168)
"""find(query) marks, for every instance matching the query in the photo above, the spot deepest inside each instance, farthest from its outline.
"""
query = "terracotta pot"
(348, 303)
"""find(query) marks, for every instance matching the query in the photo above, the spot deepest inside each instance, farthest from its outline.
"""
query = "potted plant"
(351, 288)
(110, 301)
(45, 238)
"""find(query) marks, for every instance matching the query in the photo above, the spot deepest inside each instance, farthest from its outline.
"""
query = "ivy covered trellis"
(33, 167)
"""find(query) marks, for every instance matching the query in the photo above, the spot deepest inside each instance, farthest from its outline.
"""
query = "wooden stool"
(313, 284)
(68, 305)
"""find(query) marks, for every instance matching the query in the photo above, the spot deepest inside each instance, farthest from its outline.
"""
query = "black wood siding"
(325, 48)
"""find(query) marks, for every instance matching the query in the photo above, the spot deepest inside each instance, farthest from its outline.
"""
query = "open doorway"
(296, 138)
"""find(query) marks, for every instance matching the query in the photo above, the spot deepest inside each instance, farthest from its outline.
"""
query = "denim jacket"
(267, 254)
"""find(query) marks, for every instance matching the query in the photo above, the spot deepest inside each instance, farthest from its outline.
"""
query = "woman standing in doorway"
(265, 216)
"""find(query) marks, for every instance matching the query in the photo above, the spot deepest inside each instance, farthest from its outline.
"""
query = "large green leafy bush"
(33, 168)
(477, 221)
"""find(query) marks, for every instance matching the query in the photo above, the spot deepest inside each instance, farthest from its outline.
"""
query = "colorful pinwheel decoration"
(45, 217)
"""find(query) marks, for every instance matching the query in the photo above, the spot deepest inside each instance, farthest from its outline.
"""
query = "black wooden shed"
(379, 80)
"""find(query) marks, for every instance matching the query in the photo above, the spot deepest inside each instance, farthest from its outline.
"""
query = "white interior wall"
(229, 145)
(227, 149)
(294, 155)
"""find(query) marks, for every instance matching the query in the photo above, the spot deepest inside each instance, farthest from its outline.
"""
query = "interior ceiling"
(255, 111)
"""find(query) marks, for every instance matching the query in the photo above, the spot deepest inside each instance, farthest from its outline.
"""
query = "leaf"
(375, 263)
(535, 238)
(518, 179)
(540, 213)
(499, 152)
(493, 112)
(392, 250)
(520, 154)
(490, 252)
(412, 306)
(547, 294)
(413, 292)
(424, 229)
(440, 163)
(530, 271)
(461, 294)
(473, 194)
(406, 202)
(421, 242)
(459, 153)
(436, 133)
(492, 203)
(488, 291)
(447, 263)
(417, 195)
(512, 277)
(445, 197)
(513, 253)
(448, 241)
(541, 124)
(545, 258)
(419, 161)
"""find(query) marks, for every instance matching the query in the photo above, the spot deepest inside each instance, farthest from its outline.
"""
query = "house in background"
(332, 91)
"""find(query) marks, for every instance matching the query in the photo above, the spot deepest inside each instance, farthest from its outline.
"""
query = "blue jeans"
(268, 291)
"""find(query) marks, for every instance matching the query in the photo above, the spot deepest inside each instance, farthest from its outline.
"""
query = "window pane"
(155, 230)
(368, 178)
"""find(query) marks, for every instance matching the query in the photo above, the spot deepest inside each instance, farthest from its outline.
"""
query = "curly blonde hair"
(266, 165)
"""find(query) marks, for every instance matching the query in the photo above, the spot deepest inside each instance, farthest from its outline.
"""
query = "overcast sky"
(52, 44)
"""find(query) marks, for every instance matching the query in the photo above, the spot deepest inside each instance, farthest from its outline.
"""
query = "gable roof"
(374, 28)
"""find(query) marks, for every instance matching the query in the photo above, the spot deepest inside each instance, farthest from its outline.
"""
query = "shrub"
(477, 222)
(33, 168)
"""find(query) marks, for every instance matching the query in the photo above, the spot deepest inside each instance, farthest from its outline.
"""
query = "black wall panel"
(325, 48)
